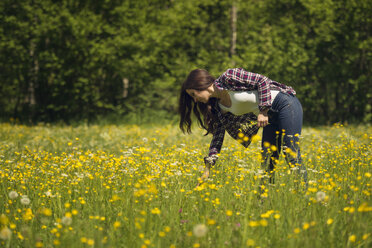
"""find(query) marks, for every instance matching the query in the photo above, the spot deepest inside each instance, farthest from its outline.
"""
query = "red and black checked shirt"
(240, 80)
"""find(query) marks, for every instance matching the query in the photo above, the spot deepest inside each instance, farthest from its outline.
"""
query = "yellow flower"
(263, 222)
(306, 226)
(116, 224)
(364, 207)
(161, 234)
(297, 230)
(155, 211)
(253, 223)
(250, 242)
(329, 221)
(211, 222)
(229, 213)
(352, 238)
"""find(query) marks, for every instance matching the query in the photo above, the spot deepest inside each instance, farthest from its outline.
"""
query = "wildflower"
(250, 242)
(66, 220)
(25, 200)
(200, 230)
(5, 233)
(352, 238)
(320, 196)
(3, 219)
(306, 226)
(263, 222)
(229, 213)
(155, 211)
(211, 222)
(162, 234)
(329, 221)
(46, 211)
(364, 207)
(13, 195)
(116, 224)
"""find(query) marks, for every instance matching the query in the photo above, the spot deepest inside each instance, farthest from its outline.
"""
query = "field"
(131, 186)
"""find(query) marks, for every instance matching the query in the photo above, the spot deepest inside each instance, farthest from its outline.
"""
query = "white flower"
(5, 233)
(320, 196)
(200, 230)
(66, 220)
(13, 195)
(145, 139)
(25, 200)
(49, 194)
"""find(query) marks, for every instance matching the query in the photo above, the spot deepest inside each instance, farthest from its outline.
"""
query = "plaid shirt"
(241, 127)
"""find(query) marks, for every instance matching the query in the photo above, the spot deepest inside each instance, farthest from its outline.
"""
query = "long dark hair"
(198, 80)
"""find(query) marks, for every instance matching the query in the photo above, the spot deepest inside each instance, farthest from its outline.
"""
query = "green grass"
(131, 186)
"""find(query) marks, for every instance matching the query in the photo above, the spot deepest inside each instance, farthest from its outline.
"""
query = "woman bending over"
(240, 102)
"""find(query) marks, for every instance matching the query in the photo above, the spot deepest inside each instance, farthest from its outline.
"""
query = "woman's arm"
(214, 149)
(240, 79)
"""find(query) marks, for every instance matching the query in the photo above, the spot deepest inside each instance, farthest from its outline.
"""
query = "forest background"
(124, 60)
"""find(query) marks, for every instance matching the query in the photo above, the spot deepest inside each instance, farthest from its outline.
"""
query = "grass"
(131, 186)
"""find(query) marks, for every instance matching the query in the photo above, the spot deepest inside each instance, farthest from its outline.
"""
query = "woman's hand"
(262, 119)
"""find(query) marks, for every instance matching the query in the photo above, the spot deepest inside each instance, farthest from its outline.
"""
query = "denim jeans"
(285, 123)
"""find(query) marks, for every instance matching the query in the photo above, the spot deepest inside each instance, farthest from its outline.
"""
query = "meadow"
(135, 186)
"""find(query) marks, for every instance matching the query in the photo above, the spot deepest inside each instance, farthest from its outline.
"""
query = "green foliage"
(67, 60)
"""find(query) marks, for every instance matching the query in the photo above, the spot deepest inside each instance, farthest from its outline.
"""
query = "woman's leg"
(290, 122)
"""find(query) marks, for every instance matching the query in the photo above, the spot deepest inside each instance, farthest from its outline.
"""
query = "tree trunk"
(233, 31)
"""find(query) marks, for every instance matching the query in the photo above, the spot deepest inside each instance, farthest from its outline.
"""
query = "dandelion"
(250, 242)
(4, 220)
(229, 213)
(320, 196)
(13, 195)
(211, 222)
(155, 211)
(352, 238)
(25, 200)
(263, 222)
(66, 220)
(116, 224)
(200, 230)
(5, 233)
(329, 221)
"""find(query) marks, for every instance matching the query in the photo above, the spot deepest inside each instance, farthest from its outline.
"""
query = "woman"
(240, 102)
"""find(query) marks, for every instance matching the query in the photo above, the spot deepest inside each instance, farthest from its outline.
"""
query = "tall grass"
(131, 186)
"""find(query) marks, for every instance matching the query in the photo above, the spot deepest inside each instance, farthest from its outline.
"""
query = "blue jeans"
(285, 123)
